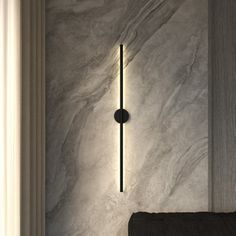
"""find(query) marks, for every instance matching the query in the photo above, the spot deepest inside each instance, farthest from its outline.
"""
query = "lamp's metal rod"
(121, 124)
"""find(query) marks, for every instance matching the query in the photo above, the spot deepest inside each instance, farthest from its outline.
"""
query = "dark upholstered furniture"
(182, 224)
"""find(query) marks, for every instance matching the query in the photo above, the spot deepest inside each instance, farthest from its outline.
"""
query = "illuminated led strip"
(121, 116)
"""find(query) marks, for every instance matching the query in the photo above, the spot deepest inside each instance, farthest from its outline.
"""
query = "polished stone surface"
(166, 164)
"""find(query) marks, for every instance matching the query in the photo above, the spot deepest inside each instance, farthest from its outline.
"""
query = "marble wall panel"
(166, 159)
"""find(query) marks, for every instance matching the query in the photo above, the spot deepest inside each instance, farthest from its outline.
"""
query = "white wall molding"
(10, 113)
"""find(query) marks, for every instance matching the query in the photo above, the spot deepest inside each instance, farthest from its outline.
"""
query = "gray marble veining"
(165, 92)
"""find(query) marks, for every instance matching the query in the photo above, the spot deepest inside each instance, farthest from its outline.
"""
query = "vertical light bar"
(121, 124)
(121, 116)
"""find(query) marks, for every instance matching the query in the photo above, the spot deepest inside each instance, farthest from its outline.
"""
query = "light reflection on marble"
(166, 95)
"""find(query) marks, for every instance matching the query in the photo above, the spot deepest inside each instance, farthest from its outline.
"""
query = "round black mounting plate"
(118, 116)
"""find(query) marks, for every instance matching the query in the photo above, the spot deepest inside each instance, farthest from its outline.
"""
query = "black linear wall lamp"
(121, 116)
